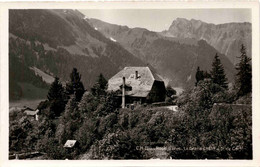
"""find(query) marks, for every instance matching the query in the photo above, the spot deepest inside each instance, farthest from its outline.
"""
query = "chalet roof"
(27, 108)
(70, 143)
(31, 112)
(141, 86)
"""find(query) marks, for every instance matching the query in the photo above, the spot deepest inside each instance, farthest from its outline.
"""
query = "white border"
(188, 4)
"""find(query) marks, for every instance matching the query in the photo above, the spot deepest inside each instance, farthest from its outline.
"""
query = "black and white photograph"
(130, 84)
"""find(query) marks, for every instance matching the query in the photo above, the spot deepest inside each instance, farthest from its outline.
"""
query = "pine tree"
(217, 73)
(56, 90)
(206, 74)
(75, 86)
(100, 86)
(244, 74)
(56, 98)
(199, 75)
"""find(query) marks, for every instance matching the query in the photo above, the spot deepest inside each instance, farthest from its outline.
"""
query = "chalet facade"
(33, 114)
(137, 84)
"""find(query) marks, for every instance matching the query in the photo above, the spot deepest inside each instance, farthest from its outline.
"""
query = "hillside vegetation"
(55, 41)
(209, 123)
(105, 132)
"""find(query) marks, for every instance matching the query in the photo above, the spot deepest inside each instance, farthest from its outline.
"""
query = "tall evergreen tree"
(217, 73)
(56, 98)
(244, 74)
(75, 86)
(199, 75)
(100, 86)
(56, 90)
(206, 74)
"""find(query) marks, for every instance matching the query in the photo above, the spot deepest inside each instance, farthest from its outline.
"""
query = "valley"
(81, 88)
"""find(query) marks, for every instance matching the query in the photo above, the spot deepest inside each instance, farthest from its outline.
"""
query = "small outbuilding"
(72, 148)
(32, 113)
(70, 144)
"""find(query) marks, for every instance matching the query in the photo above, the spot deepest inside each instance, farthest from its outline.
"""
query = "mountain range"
(226, 38)
(52, 42)
(175, 58)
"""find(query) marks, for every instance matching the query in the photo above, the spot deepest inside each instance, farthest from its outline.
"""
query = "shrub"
(118, 145)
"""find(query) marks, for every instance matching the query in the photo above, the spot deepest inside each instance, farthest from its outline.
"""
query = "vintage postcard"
(135, 83)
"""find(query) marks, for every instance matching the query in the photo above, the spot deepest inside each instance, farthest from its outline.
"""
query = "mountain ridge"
(49, 39)
(226, 38)
(192, 19)
(55, 41)
(171, 56)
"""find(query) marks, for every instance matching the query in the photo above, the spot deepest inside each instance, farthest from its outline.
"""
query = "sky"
(161, 19)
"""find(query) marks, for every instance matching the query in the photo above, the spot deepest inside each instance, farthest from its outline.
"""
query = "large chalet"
(137, 84)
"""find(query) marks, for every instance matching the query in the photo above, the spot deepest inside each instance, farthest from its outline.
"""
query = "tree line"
(243, 81)
(213, 126)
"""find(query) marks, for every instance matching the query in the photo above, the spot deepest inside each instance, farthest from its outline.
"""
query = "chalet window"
(132, 76)
(127, 87)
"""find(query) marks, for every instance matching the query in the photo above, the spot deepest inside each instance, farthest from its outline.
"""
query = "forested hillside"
(55, 41)
(20, 75)
(204, 127)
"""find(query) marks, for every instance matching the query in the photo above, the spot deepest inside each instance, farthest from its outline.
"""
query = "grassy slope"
(32, 96)
(45, 77)
(32, 92)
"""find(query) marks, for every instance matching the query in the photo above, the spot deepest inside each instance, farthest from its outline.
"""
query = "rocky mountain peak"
(226, 38)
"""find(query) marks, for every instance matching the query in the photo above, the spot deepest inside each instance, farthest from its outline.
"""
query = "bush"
(118, 145)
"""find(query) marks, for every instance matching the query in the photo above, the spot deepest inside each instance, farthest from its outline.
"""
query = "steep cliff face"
(175, 58)
(226, 38)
